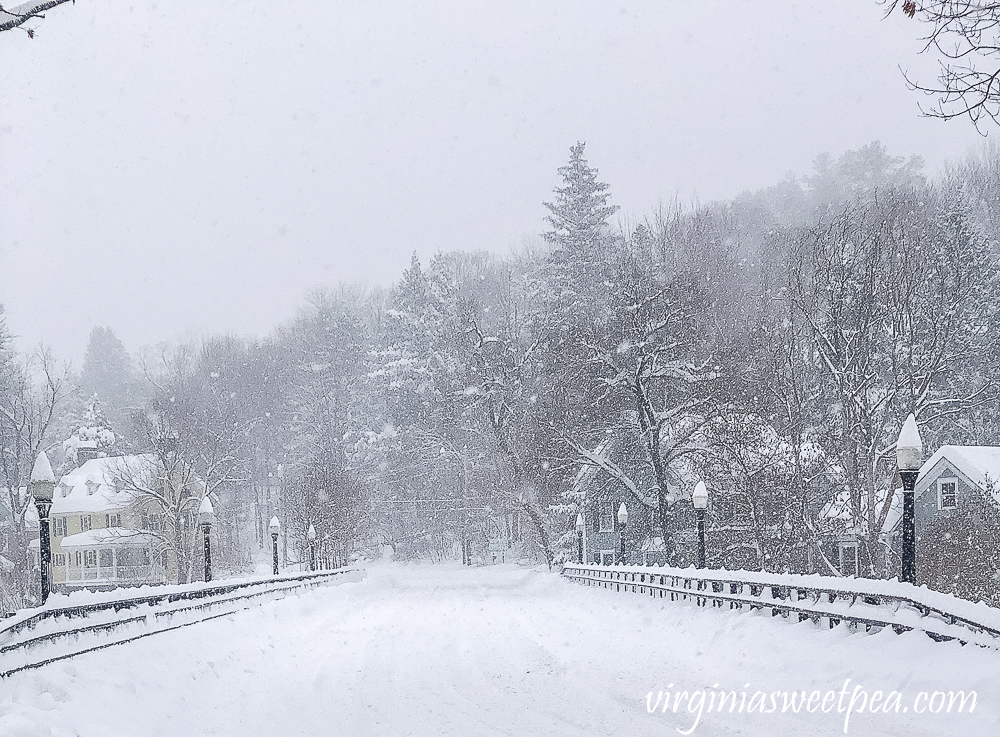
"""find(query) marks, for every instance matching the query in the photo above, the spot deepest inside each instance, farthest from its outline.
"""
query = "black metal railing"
(22, 647)
(829, 604)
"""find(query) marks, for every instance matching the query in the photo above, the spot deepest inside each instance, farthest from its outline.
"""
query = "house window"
(849, 559)
(78, 556)
(112, 520)
(947, 493)
(107, 559)
(152, 522)
(90, 558)
(607, 557)
(85, 522)
(59, 559)
(606, 523)
(164, 559)
(58, 527)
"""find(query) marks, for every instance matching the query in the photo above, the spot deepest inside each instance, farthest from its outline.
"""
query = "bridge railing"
(40, 636)
(855, 602)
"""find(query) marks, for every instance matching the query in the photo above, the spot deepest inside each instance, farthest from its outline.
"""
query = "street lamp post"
(274, 528)
(622, 522)
(579, 538)
(205, 517)
(43, 483)
(909, 454)
(699, 498)
(312, 547)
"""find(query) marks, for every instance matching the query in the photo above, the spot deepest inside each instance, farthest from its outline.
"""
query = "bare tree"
(965, 34)
(898, 301)
(30, 392)
(18, 16)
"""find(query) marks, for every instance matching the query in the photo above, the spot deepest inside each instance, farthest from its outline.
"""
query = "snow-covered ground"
(442, 650)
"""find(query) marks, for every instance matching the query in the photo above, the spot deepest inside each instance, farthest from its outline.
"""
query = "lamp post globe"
(622, 523)
(311, 535)
(909, 457)
(579, 538)
(206, 515)
(274, 528)
(699, 499)
(43, 484)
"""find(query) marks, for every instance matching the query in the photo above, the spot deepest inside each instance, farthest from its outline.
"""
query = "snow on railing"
(869, 603)
(31, 639)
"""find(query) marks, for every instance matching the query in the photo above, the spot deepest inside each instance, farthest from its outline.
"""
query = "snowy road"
(442, 650)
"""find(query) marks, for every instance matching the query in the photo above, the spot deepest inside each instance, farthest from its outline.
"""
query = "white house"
(100, 535)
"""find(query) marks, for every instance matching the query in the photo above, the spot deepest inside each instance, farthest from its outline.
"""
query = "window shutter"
(595, 522)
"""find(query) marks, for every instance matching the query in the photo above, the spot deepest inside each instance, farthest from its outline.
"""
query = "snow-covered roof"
(980, 464)
(91, 487)
(111, 536)
(839, 508)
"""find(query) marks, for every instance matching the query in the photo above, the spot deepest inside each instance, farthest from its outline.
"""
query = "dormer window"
(64, 489)
(91, 487)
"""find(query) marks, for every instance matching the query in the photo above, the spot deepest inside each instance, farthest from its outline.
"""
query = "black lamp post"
(579, 538)
(699, 498)
(43, 483)
(622, 522)
(312, 547)
(274, 528)
(909, 454)
(205, 517)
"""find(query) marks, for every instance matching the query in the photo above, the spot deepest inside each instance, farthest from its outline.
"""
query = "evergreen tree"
(91, 427)
(579, 215)
(109, 373)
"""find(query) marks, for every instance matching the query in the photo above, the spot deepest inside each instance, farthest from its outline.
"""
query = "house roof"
(839, 508)
(980, 464)
(91, 487)
(108, 537)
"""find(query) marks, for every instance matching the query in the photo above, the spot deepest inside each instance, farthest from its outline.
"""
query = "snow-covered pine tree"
(109, 372)
(580, 212)
(92, 427)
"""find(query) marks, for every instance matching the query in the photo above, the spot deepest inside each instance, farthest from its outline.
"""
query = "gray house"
(602, 492)
(957, 522)
(956, 509)
(954, 475)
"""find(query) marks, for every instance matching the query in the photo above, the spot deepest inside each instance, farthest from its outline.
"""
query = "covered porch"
(113, 557)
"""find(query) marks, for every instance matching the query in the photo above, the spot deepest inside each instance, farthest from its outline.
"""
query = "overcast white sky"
(178, 168)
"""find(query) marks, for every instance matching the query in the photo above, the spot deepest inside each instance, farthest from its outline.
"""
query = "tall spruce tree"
(580, 212)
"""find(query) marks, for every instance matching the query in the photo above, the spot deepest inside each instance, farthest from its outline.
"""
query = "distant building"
(957, 497)
(957, 474)
(104, 534)
(601, 495)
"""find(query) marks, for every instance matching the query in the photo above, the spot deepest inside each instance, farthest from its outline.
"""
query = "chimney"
(85, 451)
